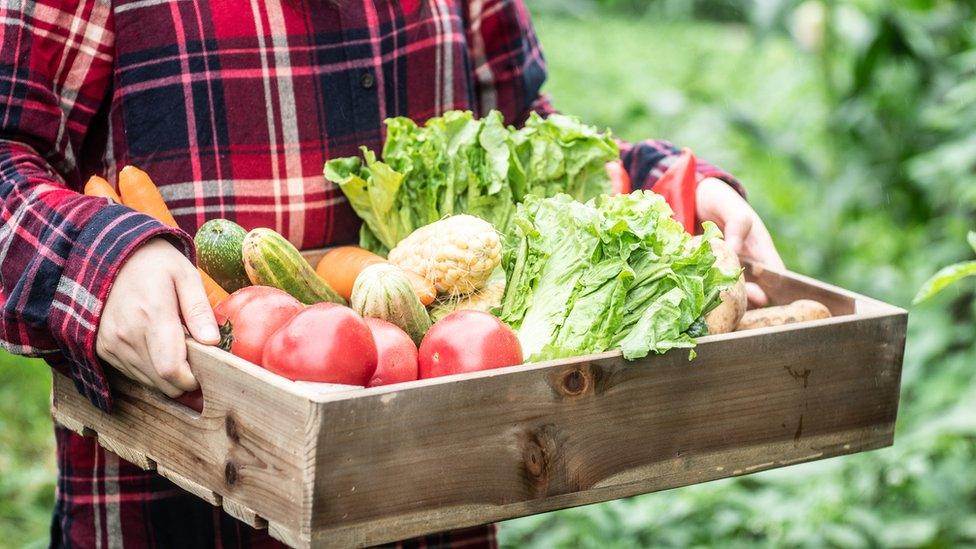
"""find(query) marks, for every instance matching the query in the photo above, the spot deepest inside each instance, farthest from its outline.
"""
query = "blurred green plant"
(948, 275)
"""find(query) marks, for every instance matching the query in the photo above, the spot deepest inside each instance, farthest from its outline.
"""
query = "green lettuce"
(613, 272)
(456, 163)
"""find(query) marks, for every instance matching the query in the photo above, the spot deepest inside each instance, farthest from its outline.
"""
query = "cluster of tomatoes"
(331, 343)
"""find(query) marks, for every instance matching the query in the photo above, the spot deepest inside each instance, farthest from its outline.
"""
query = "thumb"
(735, 231)
(195, 309)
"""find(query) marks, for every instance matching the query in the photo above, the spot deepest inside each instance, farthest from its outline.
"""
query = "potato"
(798, 311)
(726, 316)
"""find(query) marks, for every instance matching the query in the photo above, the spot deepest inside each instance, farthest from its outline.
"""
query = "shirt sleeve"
(510, 69)
(59, 250)
(647, 161)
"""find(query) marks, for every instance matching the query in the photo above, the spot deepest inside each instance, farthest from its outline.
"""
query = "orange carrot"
(340, 267)
(215, 294)
(96, 186)
(140, 193)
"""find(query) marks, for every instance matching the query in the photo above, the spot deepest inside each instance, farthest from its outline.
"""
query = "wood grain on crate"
(561, 435)
(340, 466)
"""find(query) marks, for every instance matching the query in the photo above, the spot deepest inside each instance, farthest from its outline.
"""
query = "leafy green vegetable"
(613, 272)
(458, 164)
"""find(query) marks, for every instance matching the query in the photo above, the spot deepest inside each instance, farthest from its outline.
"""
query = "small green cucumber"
(219, 243)
(270, 260)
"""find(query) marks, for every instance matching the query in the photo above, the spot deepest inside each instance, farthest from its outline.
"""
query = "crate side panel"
(451, 455)
(248, 445)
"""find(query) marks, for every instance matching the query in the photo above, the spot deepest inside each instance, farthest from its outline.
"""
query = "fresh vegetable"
(253, 314)
(326, 343)
(614, 272)
(140, 193)
(467, 341)
(238, 299)
(799, 311)
(270, 260)
(340, 266)
(456, 254)
(619, 178)
(96, 186)
(724, 318)
(396, 354)
(215, 293)
(678, 186)
(383, 291)
(456, 164)
(219, 243)
(483, 300)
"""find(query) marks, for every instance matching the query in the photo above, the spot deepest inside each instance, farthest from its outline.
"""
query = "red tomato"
(619, 178)
(678, 186)
(254, 313)
(231, 304)
(327, 343)
(396, 354)
(467, 341)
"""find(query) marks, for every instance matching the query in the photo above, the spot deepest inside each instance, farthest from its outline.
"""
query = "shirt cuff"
(647, 161)
(102, 247)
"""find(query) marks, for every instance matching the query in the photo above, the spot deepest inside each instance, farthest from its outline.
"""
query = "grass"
(27, 467)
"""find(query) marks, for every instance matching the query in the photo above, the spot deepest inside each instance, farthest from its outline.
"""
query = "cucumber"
(219, 243)
(270, 260)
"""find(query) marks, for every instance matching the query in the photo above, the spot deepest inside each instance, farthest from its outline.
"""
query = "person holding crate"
(233, 108)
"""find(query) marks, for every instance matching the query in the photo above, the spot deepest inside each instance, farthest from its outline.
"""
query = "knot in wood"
(230, 473)
(535, 459)
(230, 426)
(539, 451)
(575, 381)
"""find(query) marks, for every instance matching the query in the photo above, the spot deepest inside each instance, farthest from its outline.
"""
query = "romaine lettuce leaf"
(458, 164)
(614, 272)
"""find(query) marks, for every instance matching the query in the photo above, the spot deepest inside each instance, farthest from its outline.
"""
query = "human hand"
(140, 332)
(743, 229)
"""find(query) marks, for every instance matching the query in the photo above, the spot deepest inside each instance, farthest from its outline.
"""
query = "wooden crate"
(343, 466)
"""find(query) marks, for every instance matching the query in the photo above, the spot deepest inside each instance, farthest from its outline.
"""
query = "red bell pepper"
(678, 186)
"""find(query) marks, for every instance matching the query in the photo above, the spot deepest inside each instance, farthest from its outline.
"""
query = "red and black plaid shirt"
(232, 106)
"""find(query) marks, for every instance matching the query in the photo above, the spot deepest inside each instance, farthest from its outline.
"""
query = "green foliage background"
(850, 122)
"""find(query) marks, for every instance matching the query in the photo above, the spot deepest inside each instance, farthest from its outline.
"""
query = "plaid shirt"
(232, 107)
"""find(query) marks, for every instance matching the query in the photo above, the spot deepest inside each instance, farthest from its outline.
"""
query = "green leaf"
(456, 163)
(971, 238)
(614, 272)
(945, 277)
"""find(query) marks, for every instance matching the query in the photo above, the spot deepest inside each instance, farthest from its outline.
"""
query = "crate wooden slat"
(344, 466)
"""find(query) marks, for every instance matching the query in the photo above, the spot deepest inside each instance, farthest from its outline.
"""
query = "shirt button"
(367, 80)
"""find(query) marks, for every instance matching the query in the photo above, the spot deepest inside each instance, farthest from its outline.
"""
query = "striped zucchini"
(270, 260)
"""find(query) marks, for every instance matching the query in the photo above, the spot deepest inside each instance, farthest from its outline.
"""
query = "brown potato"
(798, 311)
(726, 316)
